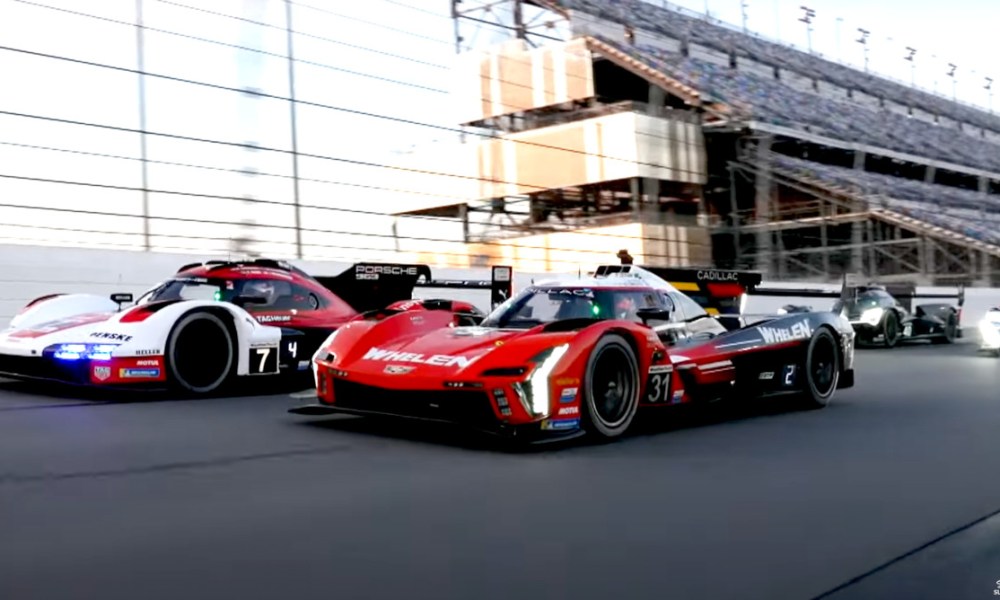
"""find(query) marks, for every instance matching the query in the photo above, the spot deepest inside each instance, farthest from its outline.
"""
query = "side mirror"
(792, 309)
(120, 299)
(246, 300)
(655, 314)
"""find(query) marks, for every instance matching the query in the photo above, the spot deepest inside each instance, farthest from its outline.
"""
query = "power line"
(270, 226)
(304, 61)
(343, 109)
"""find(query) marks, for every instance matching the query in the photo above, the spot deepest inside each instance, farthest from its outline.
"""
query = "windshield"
(869, 299)
(538, 305)
(224, 290)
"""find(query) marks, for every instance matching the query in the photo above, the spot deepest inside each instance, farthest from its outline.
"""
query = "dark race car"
(216, 322)
(884, 315)
(568, 357)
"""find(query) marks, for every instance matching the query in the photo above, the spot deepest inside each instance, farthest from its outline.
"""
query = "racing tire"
(822, 369)
(950, 331)
(890, 329)
(610, 388)
(200, 353)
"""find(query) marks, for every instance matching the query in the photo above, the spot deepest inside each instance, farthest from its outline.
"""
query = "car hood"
(451, 351)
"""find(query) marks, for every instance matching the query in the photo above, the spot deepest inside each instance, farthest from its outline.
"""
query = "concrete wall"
(27, 272)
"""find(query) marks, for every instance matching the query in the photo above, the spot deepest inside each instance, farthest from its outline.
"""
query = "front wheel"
(610, 387)
(822, 369)
(890, 329)
(201, 353)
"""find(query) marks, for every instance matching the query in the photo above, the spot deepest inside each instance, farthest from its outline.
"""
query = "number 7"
(264, 353)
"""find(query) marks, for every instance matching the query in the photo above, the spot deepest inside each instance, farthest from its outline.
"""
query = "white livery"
(193, 345)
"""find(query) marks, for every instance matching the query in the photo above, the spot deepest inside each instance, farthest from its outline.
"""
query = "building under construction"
(690, 143)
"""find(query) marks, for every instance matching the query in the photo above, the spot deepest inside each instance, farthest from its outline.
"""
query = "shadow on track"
(35, 395)
(648, 423)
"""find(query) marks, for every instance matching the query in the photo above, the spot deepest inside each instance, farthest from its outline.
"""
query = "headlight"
(990, 333)
(872, 316)
(534, 392)
(84, 351)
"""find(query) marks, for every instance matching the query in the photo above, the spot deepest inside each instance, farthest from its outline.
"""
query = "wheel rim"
(824, 367)
(197, 357)
(612, 386)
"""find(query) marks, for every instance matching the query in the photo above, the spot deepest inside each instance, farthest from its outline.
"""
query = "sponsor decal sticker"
(569, 410)
(567, 381)
(567, 395)
(274, 318)
(107, 335)
(561, 424)
(373, 272)
(147, 363)
(138, 373)
(102, 373)
(767, 375)
(442, 360)
(147, 352)
(677, 397)
(798, 331)
(718, 276)
(397, 369)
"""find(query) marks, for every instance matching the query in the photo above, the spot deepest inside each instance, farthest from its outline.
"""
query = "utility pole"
(807, 19)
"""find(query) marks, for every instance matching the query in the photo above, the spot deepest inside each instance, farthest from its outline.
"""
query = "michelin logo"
(798, 331)
(442, 360)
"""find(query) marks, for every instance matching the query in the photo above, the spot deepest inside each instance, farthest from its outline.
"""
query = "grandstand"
(719, 146)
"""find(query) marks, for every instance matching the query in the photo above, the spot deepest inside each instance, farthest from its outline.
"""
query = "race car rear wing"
(372, 286)
(904, 292)
(718, 291)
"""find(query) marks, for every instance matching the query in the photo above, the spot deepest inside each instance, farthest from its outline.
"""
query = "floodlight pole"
(806, 18)
(863, 40)
(913, 65)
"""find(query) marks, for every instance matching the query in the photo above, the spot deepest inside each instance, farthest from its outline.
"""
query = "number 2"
(263, 353)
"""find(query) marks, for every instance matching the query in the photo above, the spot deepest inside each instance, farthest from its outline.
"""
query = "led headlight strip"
(535, 396)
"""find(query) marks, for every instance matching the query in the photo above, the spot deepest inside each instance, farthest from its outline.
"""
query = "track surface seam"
(174, 466)
(908, 554)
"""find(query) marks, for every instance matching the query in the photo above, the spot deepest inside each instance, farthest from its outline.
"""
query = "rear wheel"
(822, 368)
(610, 387)
(950, 331)
(890, 329)
(201, 353)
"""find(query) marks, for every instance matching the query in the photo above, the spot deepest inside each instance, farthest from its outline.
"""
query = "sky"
(373, 81)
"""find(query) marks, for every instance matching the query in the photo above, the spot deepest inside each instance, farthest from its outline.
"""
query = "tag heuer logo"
(397, 369)
(102, 373)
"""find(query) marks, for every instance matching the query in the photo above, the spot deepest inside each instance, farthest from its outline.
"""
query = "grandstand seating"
(974, 214)
(676, 25)
(756, 94)
(772, 101)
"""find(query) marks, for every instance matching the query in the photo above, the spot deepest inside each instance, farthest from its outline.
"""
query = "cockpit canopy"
(538, 305)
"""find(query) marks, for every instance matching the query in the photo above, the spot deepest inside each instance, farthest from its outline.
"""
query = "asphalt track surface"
(887, 493)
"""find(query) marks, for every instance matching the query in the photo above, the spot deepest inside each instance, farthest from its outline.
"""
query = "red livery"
(568, 357)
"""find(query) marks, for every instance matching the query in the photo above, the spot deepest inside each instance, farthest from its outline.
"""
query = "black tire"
(950, 331)
(610, 387)
(890, 329)
(822, 368)
(200, 353)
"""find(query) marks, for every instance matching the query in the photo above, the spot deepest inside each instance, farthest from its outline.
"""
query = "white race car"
(210, 324)
(89, 340)
(989, 331)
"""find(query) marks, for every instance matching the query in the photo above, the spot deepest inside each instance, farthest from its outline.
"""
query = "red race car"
(569, 357)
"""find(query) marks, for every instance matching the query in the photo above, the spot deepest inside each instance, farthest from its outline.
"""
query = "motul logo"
(442, 360)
